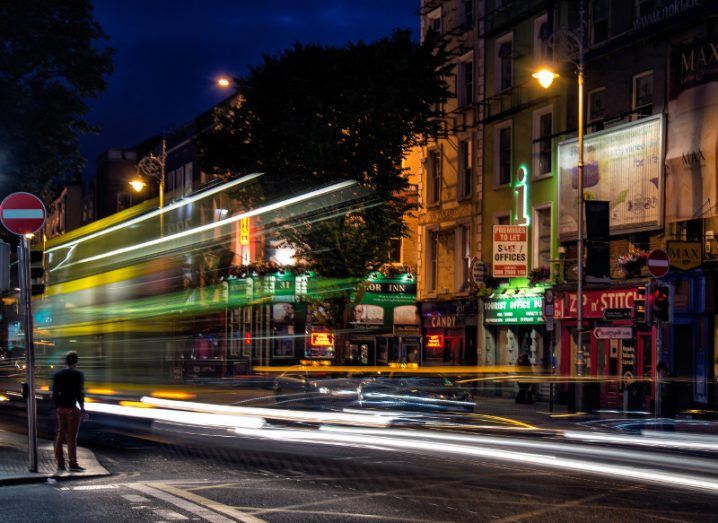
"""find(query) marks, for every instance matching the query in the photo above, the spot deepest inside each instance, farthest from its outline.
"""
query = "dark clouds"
(170, 51)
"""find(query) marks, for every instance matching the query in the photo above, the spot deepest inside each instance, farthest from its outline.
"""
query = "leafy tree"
(53, 57)
(316, 114)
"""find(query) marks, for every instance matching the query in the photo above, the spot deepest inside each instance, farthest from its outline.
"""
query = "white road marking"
(193, 503)
(94, 487)
(135, 498)
(169, 514)
(208, 503)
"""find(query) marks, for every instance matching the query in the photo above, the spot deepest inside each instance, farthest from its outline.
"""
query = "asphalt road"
(220, 478)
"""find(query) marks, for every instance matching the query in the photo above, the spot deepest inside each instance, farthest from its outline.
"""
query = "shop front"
(384, 325)
(514, 326)
(449, 332)
(615, 349)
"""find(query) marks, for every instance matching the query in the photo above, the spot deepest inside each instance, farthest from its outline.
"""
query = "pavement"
(14, 462)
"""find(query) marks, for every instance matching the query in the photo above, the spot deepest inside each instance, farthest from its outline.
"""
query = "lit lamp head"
(137, 184)
(224, 82)
(545, 76)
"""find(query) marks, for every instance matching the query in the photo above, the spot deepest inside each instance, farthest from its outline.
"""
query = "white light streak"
(157, 212)
(209, 226)
(679, 443)
(408, 441)
(371, 420)
(175, 416)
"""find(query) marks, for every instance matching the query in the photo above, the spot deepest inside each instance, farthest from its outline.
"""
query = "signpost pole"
(24, 214)
(25, 297)
(659, 351)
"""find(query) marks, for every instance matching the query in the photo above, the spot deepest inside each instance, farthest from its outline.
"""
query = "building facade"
(521, 126)
(450, 219)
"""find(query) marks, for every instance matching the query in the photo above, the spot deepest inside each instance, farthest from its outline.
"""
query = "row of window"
(434, 173)
(542, 154)
(641, 98)
(599, 14)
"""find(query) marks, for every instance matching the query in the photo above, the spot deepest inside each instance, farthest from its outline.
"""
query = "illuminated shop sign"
(515, 310)
(321, 339)
(435, 341)
(244, 231)
(510, 258)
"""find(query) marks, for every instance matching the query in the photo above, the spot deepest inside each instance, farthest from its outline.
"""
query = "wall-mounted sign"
(406, 315)
(435, 341)
(321, 339)
(617, 314)
(510, 258)
(522, 196)
(392, 287)
(244, 231)
(623, 166)
(477, 271)
(613, 333)
(693, 64)
(368, 315)
(685, 256)
(514, 310)
(595, 302)
(449, 314)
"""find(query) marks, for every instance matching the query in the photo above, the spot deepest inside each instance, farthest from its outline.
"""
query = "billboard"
(510, 258)
(623, 166)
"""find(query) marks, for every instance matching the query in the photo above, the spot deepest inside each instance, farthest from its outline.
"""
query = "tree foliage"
(314, 115)
(53, 56)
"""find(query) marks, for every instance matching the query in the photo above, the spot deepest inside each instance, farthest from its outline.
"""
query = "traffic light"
(4, 267)
(639, 306)
(662, 303)
(37, 272)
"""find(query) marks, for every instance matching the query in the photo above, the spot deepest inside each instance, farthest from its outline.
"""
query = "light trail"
(407, 441)
(157, 212)
(202, 228)
(305, 416)
(684, 442)
(180, 417)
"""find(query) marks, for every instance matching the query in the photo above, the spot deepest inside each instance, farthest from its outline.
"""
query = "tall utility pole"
(581, 364)
(545, 77)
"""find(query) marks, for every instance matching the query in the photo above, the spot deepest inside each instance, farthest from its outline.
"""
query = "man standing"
(67, 393)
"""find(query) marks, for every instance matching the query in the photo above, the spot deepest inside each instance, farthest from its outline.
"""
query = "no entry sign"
(657, 263)
(22, 213)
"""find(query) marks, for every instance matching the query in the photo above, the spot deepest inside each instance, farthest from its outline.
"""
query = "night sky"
(169, 52)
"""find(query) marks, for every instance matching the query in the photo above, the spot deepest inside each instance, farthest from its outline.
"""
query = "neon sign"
(521, 190)
(435, 341)
(321, 339)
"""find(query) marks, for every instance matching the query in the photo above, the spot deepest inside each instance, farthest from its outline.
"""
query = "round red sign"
(658, 263)
(22, 213)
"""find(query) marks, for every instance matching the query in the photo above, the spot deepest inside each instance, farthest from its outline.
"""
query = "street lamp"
(154, 167)
(224, 82)
(545, 77)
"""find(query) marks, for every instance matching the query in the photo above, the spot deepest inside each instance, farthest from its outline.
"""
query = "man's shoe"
(60, 468)
(76, 468)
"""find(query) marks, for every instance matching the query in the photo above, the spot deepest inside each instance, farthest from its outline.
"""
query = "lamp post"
(154, 167)
(545, 77)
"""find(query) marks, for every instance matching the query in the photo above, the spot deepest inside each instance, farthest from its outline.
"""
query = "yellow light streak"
(102, 392)
(137, 404)
(173, 394)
